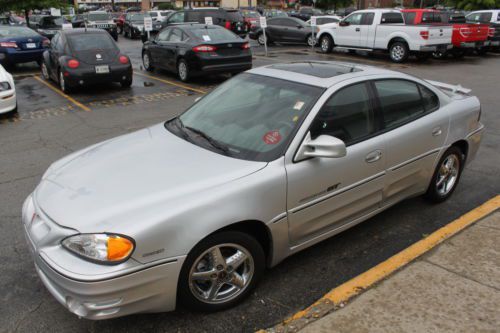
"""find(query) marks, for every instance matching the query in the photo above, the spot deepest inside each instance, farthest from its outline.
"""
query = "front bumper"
(96, 291)
(436, 47)
(8, 101)
(87, 75)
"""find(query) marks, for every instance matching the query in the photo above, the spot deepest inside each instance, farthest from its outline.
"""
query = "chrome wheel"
(262, 39)
(45, 72)
(398, 52)
(145, 61)
(311, 41)
(182, 70)
(62, 84)
(221, 273)
(325, 44)
(447, 175)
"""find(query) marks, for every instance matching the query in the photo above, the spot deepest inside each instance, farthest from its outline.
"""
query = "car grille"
(103, 26)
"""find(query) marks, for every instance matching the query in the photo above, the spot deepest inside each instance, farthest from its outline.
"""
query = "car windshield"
(99, 17)
(249, 117)
(251, 14)
(90, 41)
(153, 14)
(137, 17)
(213, 34)
(234, 15)
(52, 22)
(479, 17)
(6, 31)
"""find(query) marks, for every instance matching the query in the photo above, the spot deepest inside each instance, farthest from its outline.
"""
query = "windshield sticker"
(206, 38)
(272, 137)
(298, 105)
(295, 119)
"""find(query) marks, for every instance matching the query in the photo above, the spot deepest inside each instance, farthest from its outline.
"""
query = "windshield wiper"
(209, 139)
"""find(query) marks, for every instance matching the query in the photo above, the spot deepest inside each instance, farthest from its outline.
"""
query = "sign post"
(313, 27)
(148, 25)
(263, 25)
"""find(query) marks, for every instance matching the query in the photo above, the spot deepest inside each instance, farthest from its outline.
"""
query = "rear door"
(293, 31)
(155, 47)
(416, 128)
(170, 48)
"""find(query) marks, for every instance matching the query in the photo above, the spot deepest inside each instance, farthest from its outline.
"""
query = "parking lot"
(50, 125)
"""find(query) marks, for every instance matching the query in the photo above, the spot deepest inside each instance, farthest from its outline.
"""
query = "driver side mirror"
(325, 146)
(343, 23)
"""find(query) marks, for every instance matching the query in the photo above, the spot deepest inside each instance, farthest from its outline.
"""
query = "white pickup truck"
(384, 29)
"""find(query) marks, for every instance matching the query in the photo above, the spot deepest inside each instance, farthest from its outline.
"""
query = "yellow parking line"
(172, 83)
(69, 98)
(356, 285)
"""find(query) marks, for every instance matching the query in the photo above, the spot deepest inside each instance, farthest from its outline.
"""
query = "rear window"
(213, 35)
(52, 21)
(87, 42)
(99, 17)
(234, 15)
(479, 17)
(388, 18)
(16, 32)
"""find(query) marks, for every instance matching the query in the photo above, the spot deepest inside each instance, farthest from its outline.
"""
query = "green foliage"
(477, 4)
(167, 6)
(333, 4)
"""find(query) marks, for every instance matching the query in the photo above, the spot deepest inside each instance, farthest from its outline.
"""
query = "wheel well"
(396, 39)
(463, 146)
(256, 229)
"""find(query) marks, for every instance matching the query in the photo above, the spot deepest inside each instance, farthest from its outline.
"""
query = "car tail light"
(245, 46)
(465, 32)
(204, 48)
(123, 60)
(10, 45)
(491, 32)
(228, 25)
(46, 42)
(424, 34)
(73, 63)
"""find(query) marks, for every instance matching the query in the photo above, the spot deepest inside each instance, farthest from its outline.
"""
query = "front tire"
(45, 71)
(326, 44)
(399, 52)
(220, 271)
(183, 70)
(446, 176)
(146, 62)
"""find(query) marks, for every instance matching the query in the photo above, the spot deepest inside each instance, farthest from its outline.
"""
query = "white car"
(326, 19)
(160, 15)
(8, 101)
(385, 30)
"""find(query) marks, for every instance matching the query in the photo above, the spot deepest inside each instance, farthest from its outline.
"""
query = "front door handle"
(437, 131)
(357, 29)
(373, 156)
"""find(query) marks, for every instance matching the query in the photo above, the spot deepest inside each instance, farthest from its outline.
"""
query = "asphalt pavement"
(50, 126)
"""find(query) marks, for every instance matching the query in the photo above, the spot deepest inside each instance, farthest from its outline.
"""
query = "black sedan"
(48, 26)
(284, 30)
(79, 57)
(194, 49)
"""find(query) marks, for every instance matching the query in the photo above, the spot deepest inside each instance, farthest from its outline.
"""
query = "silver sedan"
(277, 159)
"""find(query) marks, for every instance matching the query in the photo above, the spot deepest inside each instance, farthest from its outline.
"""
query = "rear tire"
(183, 70)
(399, 52)
(45, 71)
(191, 292)
(326, 44)
(446, 176)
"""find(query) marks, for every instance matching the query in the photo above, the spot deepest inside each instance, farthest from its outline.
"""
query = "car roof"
(318, 73)
(77, 31)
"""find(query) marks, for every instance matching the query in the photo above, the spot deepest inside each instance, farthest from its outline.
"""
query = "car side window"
(400, 101)
(390, 18)
(410, 17)
(175, 36)
(367, 18)
(429, 99)
(347, 115)
(354, 19)
(288, 23)
(176, 18)
(163, 35)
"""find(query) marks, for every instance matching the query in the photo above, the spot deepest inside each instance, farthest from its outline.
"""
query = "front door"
(324, 194)
(349, 35)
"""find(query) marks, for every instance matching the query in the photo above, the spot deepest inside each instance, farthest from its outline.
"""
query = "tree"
(27, 5)
(477, 4)
(333, 4)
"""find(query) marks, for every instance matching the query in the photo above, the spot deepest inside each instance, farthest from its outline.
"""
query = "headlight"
(4, 86)
(100, 248)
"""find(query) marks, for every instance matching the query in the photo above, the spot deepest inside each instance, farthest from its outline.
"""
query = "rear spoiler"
(451, 87)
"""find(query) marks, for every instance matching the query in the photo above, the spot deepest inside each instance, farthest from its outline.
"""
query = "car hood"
(129, 174)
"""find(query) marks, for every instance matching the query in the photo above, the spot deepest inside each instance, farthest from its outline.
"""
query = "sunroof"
(318, 69)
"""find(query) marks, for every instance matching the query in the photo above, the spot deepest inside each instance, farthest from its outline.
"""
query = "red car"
(120, 20)
(251, 17)
(466, 36)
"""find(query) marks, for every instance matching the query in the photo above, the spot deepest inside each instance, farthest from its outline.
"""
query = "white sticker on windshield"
(206, 38)
(298, 105)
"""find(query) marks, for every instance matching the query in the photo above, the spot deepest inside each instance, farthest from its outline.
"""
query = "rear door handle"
(373, 156)
(357, 29)
(437, 131)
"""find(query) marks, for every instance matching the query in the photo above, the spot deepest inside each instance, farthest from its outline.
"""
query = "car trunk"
(439, 35)
(31, 43)
(229, 48)
(98, 57)
(469, 32)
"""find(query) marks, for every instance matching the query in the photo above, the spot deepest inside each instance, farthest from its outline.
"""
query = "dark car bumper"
(226, 64)
(473, 45)
(87, 75)
(13, 56)
(253, 34)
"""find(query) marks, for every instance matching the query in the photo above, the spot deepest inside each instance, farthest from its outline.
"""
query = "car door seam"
(399, 166)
